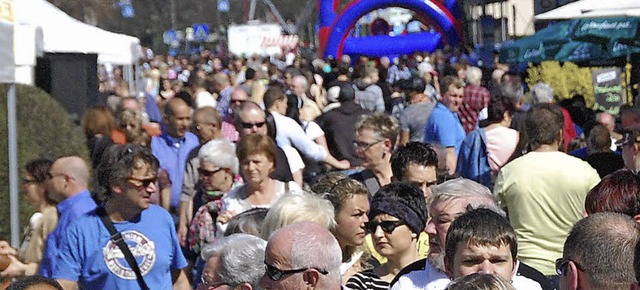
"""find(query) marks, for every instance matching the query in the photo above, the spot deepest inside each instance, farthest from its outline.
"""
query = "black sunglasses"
(562, 263)
(144, 183)
(386, 226)
(208, 173)
(276, 274)
(246, 125)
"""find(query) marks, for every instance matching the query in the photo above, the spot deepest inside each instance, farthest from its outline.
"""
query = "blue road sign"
(169, 36)
(127, 11)
(223, 5)
(200, 32)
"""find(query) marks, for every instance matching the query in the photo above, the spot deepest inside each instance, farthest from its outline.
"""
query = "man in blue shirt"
(443, 128)
(68, 181)
(90, 257)
(172, 148)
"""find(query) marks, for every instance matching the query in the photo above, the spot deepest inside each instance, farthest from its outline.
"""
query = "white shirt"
(204, 99)
(433, 279)
(430, 279)
(232, 202)
(290, 133)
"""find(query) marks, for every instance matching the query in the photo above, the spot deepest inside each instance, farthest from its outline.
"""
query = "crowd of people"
(409, 173)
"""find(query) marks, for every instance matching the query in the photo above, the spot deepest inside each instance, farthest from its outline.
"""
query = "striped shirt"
(366, 280)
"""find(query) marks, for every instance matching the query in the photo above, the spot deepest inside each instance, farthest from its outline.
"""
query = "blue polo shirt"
(444, 128)
(172, 154)
(69, 210)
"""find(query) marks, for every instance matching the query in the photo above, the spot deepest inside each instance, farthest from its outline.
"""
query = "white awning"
(592, 8)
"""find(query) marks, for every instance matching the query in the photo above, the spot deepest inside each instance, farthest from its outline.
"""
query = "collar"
(171, 141)
(70, 201)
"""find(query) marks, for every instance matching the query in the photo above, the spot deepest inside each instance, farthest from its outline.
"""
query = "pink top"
(501, 142)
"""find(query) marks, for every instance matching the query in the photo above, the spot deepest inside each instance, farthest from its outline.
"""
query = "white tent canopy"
(593, 8)
(64, 34)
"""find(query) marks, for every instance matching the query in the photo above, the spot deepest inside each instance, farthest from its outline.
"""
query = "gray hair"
(603, 246)
(512, 89)
(541, 93)
(326, 254)
(241, 259)
(297, 207)
(474, 75)
(222, 153)
(302, 81)
(476, 194)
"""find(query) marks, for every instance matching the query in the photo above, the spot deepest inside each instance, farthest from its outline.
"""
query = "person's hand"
(343, 164)
(225, 217)
(182, 234)
(6, 249)
(15, 269)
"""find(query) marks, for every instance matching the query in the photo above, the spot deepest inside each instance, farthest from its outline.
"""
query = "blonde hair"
(297, 207)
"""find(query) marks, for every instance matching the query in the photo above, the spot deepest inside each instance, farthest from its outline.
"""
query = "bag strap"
(116, 237)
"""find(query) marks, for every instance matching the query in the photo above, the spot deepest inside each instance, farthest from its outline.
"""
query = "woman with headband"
(397, 216)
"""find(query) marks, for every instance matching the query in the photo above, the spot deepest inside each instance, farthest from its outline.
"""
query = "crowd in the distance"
(408, 173)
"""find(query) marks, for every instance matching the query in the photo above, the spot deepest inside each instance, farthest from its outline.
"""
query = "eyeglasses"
(365, 145)
(386, 226)
(562, 263)
(142, 183)
(208, 173)
(276, 274)
(211, 285)
(246, 125)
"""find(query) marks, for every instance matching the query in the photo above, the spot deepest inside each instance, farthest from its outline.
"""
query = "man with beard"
(449, 200)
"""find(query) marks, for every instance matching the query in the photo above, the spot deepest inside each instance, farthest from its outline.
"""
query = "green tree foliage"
(44, 130)
(566, 80)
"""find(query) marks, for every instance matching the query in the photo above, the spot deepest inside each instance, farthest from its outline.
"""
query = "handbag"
(116, 237)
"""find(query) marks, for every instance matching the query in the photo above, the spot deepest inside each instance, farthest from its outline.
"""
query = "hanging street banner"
(7, 56)
(608, 91)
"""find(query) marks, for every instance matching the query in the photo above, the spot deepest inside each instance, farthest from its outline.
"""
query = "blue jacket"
(473, 159)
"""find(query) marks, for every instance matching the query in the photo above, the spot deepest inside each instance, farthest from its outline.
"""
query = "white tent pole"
(14, 209)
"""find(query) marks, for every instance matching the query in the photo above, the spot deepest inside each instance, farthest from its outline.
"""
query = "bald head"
(238, 97)
(247, 119)
(605, 119)
(220, 82)
(69, 176)
(177, 117)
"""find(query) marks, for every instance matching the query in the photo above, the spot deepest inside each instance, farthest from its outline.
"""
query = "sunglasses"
(386, 226)
(208, 173)
(276, 274)
(246, 125)
(143, 183)
(562, 263)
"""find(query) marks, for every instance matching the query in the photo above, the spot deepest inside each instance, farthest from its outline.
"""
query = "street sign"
(169, 37)
(127, 11)
(200, 32)
(223, 5)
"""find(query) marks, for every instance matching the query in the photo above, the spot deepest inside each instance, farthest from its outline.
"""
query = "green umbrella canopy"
(618, 34)
(578, 40)
(604, 30)
(543, 45)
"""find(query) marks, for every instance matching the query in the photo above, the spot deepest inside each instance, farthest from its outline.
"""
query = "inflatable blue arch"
(334, 27)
